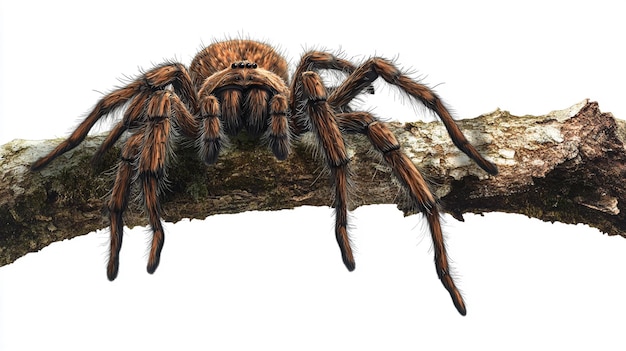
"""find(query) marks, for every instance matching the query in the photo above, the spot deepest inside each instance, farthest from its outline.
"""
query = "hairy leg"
(105, 106)
(324, 127)
(378, 67)
(118, 202)
(153, 158)
(131, 119)
(312, 61)
(418, 191)
(156, 79)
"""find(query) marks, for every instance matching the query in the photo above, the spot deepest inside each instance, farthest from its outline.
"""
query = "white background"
(275, 280)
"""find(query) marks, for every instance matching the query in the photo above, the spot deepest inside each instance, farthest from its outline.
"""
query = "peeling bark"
(566, 166)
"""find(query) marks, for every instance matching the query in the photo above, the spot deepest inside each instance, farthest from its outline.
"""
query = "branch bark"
(566, 166)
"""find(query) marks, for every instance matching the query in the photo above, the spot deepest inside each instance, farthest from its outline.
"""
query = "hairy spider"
(237, 85)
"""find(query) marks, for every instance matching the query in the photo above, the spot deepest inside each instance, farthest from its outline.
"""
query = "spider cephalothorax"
(238, 85)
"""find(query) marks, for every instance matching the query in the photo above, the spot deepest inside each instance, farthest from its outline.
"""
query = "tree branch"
(566, 166)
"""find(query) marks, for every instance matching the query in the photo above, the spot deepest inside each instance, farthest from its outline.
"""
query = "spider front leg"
(411, 180)
(322, 123)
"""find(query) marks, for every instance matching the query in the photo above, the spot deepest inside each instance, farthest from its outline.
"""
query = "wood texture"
(566, 166)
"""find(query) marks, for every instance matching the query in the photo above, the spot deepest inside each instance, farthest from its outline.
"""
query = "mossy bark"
(566, 166)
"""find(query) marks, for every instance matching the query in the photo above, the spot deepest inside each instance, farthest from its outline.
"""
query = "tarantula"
(237, 85)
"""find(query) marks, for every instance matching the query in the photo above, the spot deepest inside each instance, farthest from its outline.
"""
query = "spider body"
(237, 85)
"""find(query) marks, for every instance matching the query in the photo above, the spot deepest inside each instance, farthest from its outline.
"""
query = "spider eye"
(234, 65)
(242, 65)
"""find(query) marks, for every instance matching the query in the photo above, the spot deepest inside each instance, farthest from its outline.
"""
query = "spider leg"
(118, 202)
(323, 125)
(134, 112)
(146, 148)
(184, 121)
(420, 196)
(153, 157)
(314, 61)
(373, 68)
(105, 106)
(158, 78)
(176, 75)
